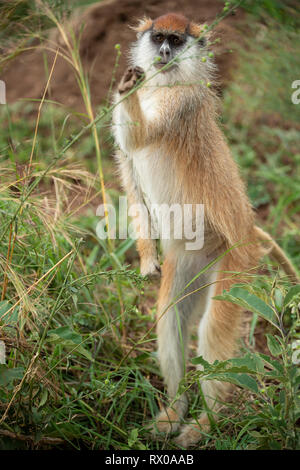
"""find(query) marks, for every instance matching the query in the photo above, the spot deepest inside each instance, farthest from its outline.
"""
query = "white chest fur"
(149, 104)
(152, 175)
(123, 124)
(151, 169)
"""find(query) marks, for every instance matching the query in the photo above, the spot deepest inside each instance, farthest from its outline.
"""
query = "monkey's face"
(177, 55)
(166, 46)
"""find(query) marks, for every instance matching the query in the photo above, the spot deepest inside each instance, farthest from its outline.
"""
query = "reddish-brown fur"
(190, 144)
(171, 22)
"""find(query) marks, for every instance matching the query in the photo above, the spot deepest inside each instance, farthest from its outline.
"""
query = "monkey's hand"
(130, 79)
(150, 267)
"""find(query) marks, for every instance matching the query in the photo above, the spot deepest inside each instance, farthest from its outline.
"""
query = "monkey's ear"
(198, 30)
(143, 25)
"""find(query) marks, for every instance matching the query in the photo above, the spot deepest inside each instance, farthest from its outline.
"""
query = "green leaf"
(65, 333)
(273, 345)
(84, 352)
(293, 291)
(12, 317)
(8, 375)
(75, 300)
(69, 339)
(92, 258)
(245, 299)
(251, 362)
(278, 299)
(243, 380)
(275, 364)
(254, 303)
(201, 361)
(132, 437)
(43, 399)
(124, 246)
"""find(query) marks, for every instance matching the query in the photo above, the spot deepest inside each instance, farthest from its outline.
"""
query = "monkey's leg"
(172, 326)
(218, 333)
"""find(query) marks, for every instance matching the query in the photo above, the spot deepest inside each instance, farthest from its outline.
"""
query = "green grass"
(81, 369)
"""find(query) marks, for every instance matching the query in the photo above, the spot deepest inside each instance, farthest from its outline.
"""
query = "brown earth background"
(105, 24)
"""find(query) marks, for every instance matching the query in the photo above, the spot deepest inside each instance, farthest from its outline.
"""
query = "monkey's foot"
(129, 79)
(168, 421)
(150, 267)
(191, 433)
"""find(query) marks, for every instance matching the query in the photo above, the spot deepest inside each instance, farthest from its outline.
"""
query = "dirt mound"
(106, 24)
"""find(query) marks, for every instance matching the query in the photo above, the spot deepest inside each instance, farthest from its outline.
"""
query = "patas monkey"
(173, 152)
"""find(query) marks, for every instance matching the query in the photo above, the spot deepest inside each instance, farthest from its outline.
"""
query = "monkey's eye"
(175, 40)
(158, 38)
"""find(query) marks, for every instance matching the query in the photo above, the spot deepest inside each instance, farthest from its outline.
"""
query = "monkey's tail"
(278, 255)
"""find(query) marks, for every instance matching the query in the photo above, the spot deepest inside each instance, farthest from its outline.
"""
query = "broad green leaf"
(275, 364)
(84, 352)
(273, 345)
(278, 298)
(69, 339)
(250, 361)
(64, 332)
(43, 399)
(245, 299)
(132, 437)
(239, 370)
(8, 375)
(201, 361)
(255, 303)
(259, 363)
(243, 380)
(11, 317)
(250, 364)
(293, 291)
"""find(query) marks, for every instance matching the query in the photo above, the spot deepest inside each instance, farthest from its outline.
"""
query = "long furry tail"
(278, 255)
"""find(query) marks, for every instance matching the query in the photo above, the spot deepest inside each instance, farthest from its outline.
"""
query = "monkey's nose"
(165, 52)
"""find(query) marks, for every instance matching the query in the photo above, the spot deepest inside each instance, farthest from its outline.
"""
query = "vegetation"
(77, 318)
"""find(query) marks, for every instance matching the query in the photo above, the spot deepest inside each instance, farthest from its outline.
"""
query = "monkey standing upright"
(173, 152)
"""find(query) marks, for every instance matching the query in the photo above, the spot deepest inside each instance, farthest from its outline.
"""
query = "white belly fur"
(153, 171)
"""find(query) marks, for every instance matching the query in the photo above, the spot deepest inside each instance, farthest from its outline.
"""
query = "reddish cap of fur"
(170, 22)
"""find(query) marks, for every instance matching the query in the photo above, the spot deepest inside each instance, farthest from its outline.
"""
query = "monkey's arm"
(174, 106)
(171, 119)
(146, 246)
(136, 131)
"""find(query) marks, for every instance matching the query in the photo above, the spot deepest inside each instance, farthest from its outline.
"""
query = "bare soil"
(105, 24)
